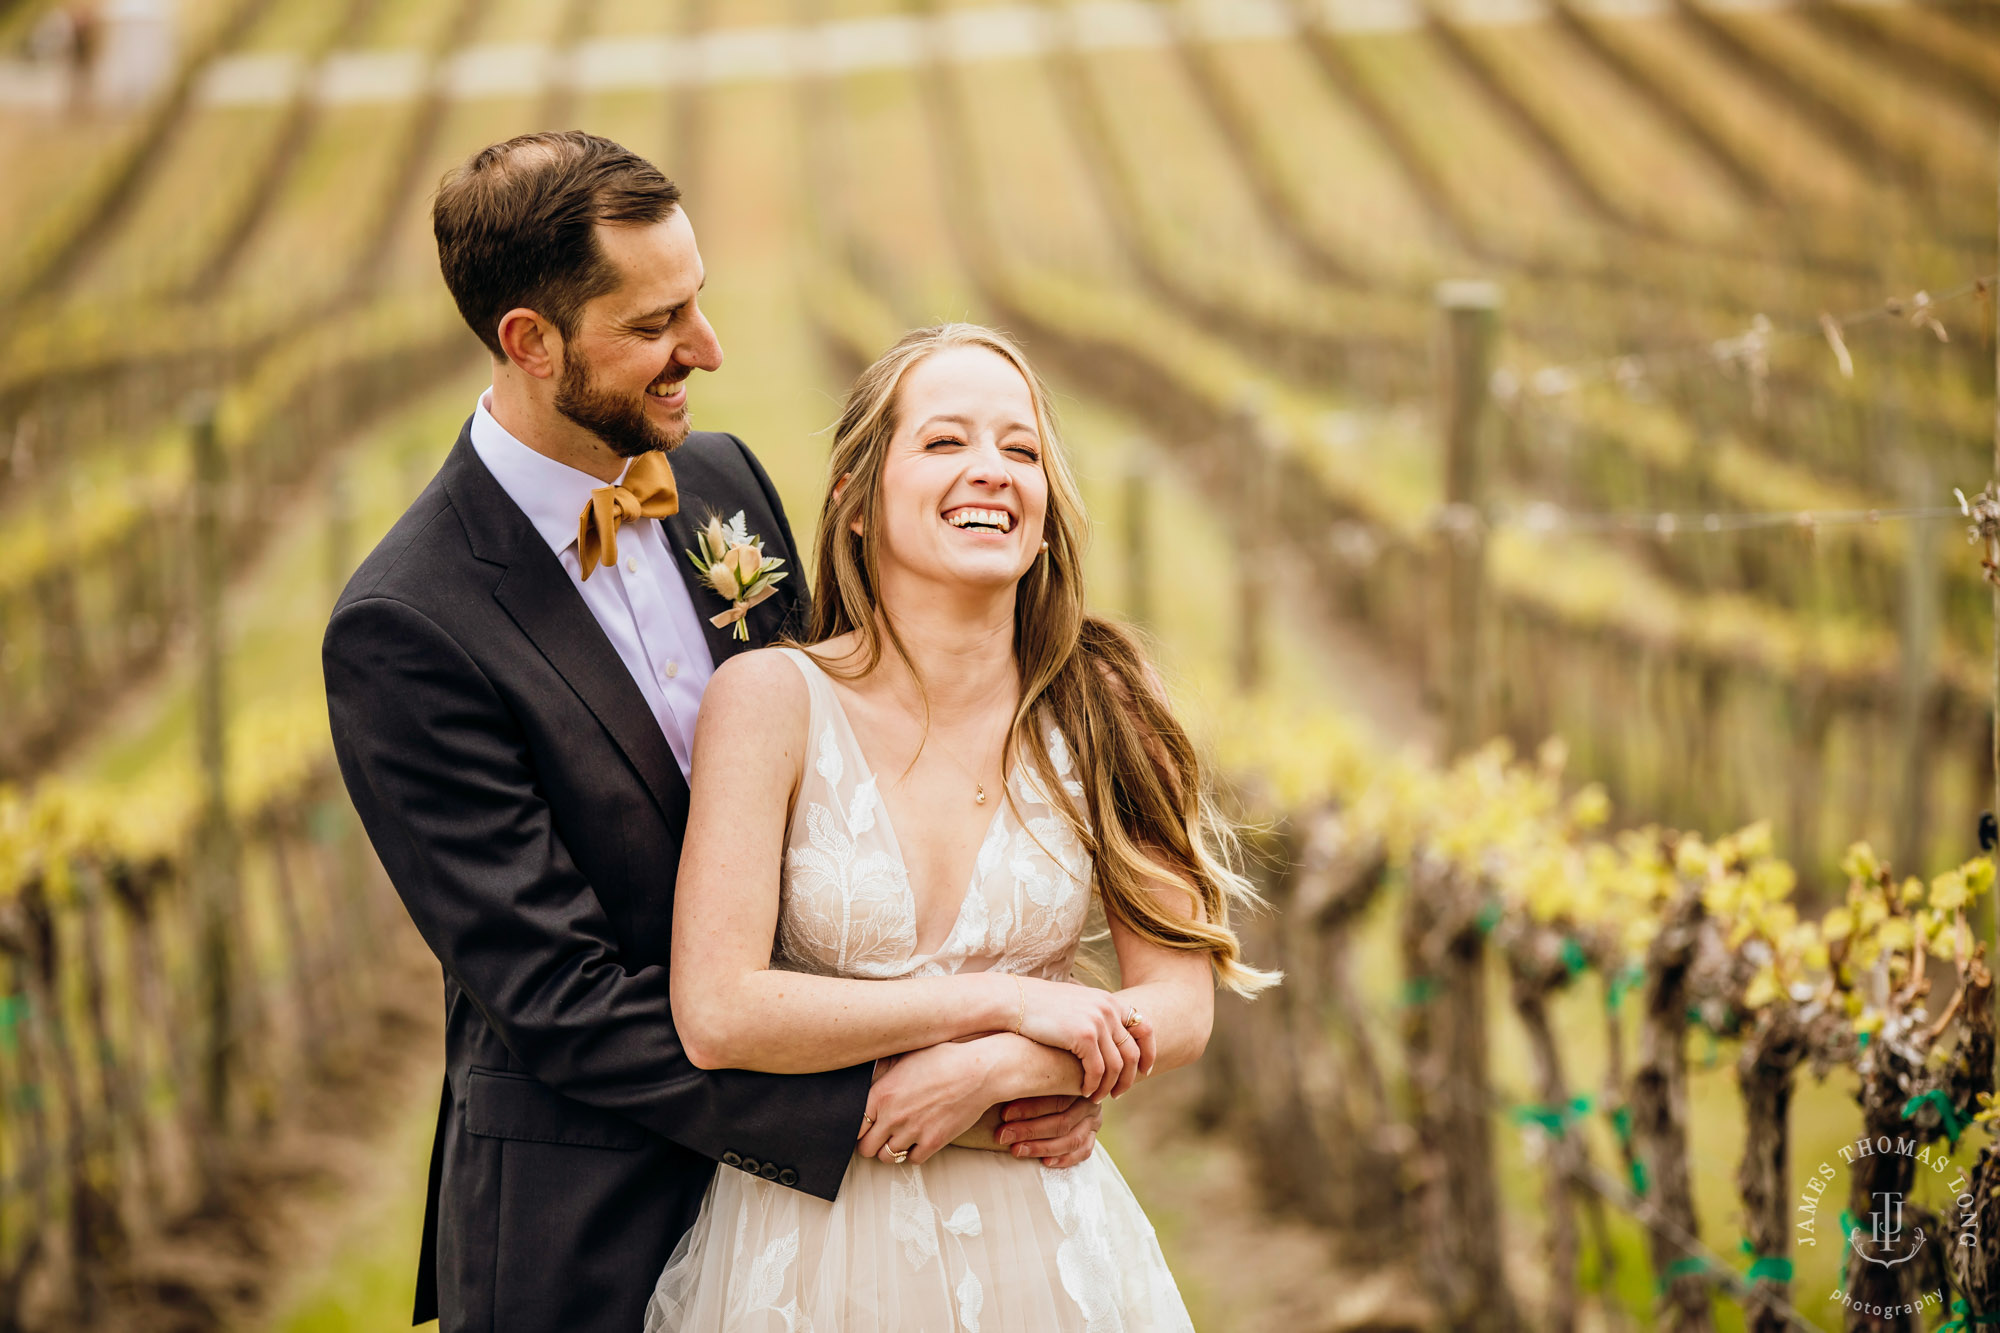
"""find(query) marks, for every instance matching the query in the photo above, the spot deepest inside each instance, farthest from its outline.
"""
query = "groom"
(513, 677)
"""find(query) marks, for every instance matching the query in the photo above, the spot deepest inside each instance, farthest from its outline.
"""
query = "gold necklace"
(978, 787)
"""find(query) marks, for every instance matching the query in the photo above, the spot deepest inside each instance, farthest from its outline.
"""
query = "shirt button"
(631, 564)
(670, 670)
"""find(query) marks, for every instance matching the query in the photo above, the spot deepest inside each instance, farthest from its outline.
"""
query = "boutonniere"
(732, 562)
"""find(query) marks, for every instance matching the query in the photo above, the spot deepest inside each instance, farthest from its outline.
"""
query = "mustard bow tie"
(648, 491)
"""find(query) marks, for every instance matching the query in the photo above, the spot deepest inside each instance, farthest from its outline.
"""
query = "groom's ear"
(530, 342)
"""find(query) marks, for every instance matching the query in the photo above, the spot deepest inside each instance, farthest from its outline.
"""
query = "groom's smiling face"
(624, 375)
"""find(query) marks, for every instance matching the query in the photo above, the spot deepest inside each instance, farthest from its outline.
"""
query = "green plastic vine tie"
(1488, 919)
(1551, 1119)
(1847, 1226)
(1554, 1120)
(1619, 984)
(1639, 1181)
(1966, 1319)
(1419, 991)
(1947, 1113)
(1574, 958)
(1765, 1267)
(13, 1010)
(1692, 1265)
(1861, 1039)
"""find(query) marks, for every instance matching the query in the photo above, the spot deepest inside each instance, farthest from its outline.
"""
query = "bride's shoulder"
(765, 675)
(760, 690)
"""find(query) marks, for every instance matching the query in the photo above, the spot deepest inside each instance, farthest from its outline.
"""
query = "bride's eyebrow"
(947, 419)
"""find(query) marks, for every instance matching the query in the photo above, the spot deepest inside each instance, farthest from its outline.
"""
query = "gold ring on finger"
(867, 1119)
(1133, 1018)
(900, 1156)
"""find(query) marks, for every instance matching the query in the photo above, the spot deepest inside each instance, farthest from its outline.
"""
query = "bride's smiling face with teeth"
(963, 493)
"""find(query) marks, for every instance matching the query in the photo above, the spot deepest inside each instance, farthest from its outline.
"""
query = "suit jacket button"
(750, 1164)
(769, 1171)
(788, 1177)
(732, 1159)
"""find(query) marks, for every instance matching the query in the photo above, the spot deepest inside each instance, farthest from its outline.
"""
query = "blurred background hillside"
(1735, 354)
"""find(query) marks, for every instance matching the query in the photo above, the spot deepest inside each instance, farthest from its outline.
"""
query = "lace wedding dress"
(971, 1240)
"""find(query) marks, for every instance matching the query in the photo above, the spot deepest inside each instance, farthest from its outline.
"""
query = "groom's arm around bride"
(513, 726)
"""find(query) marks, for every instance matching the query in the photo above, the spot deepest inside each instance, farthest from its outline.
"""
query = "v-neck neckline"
(972, 883)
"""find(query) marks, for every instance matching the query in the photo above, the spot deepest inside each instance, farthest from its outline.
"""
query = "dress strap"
(800, 658)
(817, 696)
(807, 668)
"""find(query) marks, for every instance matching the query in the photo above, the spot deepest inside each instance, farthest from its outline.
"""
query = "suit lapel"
(544, 603)
(702, 493)
(537, 593)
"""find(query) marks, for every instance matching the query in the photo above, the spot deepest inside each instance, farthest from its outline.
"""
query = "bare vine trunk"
(1659, 1121)
(1450, 1096)
(1881, 1181)
(1272, 1075)
(1562, 1162)
(1766, 1073)
(1975, 1267)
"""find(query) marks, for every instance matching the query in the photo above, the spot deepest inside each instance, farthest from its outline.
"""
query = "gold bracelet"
(1021, 996)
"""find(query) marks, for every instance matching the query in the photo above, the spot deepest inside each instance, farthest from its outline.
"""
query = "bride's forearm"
(1022, 1068)
(1181, 1012)
(780, 1022)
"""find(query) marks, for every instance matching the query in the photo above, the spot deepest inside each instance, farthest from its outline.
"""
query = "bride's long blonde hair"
(1145, 818)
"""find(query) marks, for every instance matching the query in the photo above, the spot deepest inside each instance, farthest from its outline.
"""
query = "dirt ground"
(219, 1268)
(1240, 1269)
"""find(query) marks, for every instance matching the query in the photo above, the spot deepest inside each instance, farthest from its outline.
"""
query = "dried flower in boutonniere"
(732, 562)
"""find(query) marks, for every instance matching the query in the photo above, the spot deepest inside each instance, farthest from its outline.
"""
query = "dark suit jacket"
(530, 813)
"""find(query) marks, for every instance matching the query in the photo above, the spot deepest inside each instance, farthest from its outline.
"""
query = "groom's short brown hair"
(516, 225)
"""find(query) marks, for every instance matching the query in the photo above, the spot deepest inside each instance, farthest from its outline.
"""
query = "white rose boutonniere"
(733, 562)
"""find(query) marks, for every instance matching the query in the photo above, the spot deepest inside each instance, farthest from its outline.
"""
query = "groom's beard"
(622, 422)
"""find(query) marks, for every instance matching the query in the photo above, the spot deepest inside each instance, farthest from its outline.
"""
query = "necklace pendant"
(980, 795)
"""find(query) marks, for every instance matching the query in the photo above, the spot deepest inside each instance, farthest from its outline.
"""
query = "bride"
(960, 759)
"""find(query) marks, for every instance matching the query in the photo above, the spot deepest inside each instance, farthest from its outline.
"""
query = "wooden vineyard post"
(1918, 632)
(1138, 534)
(1471, 314)
(1993, 787)
(339, 533)
(1256, 478)
(689, 115)
(214, 860)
